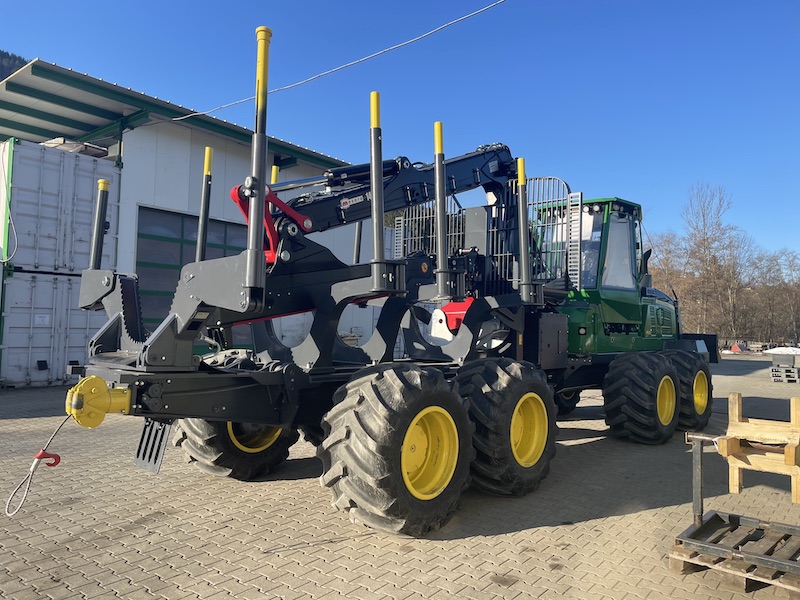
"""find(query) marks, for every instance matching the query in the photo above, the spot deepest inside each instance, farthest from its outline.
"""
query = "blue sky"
(634, 98)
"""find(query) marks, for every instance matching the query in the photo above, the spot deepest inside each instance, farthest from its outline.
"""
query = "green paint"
(115, 128)
(46, 116)
(7, 272)
(33, 130)
(145, 103)
(117, 121)
(61, 101)
(9, 170)
(616, 319)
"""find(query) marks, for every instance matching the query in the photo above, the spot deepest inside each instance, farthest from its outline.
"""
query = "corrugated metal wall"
(47, 208)
(43, 328)
(46, 211)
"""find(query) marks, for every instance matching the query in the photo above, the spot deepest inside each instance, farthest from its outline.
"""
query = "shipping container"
(43, 330)
(47, 201)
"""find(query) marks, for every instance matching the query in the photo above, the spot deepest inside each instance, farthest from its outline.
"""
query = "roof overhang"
(43, 101)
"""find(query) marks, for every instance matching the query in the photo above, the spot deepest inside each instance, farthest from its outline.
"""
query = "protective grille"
(552, 215)
(549, 216)
(548, 241)
(415, 228)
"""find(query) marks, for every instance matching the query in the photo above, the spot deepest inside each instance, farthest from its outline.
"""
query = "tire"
(567, 401)
(695, 389)
(515, 424)
(640, 397)
(239, 450)
(377, 457)
(313, 434)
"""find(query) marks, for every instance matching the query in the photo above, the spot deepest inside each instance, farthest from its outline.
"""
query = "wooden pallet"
(785, 371)
(761, 445)
(747, 553)
(785, 374)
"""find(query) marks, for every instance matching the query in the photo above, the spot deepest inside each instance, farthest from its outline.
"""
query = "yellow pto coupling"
(90, 400)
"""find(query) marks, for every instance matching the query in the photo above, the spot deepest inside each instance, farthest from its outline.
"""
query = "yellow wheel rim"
(700, 392)
(429, 454)
(529, 429)
(665, 400)
(252, 438)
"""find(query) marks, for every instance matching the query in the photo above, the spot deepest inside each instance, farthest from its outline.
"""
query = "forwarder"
(489, 317)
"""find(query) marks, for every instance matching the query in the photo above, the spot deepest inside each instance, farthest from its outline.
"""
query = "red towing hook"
(42, 455)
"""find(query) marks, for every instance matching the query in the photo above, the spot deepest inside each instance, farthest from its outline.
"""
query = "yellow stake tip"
(207, 162)
(103, 184)
(374, 109)
(438, 138)
(521, 179)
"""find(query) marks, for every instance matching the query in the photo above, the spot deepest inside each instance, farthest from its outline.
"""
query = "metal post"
(99, 224)
(357, 242)
(256, 183)
(525, 284)
(376, 188)
(205, 199)
(442, 272)
(697, 479)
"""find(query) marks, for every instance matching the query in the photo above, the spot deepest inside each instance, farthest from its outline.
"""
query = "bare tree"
(726, 283)
(737, 260)
(791, 266)
(767, 283)
(668, 261)
(706, 234)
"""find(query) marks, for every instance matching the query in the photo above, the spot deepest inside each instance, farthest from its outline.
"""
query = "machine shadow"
(295, 469)
(591, 477)
(739, 366)
(595, 476)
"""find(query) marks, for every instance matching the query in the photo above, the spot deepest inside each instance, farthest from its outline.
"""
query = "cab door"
(618, 283)
(620, 302)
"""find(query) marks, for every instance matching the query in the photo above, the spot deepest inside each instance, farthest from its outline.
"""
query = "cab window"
(619, 268)
(591, 234)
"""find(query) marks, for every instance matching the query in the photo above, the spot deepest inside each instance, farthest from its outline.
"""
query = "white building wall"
(163, 168)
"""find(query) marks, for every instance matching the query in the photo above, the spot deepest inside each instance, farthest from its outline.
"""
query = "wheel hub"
(529, 430)
(253, 437)
(429, 453)
(700, 392)
(665, 400)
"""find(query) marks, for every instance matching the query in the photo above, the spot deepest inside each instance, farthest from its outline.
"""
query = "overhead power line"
(352, 63)
(386, 50)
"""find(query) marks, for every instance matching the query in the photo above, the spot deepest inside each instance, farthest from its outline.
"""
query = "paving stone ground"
(600, 526)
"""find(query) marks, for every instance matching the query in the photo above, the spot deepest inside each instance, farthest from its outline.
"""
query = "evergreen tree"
(10, 63)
